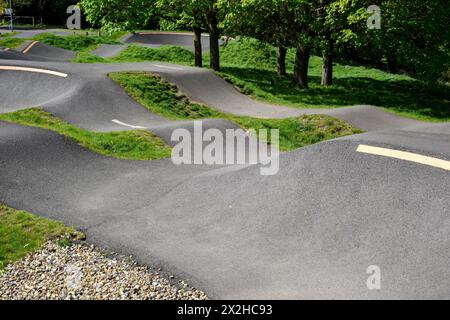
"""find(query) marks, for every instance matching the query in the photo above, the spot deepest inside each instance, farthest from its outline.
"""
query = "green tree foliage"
(133, 14)
(188, 14)
(114, 15)
(260, 19)
(44, 11)
(3, 5)
(280, 22)
(414, 36)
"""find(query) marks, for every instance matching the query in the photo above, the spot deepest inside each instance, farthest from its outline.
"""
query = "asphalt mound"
(19, 90)
(16, 55)
(45, 52)
(109, 50)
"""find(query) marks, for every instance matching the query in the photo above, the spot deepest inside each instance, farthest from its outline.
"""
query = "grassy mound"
(75, 42)
(137, 53)
(161, 97)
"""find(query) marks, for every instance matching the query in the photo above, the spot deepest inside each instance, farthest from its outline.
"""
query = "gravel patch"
(82, 272)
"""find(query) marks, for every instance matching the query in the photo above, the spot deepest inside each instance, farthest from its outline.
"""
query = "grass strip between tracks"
(132, 145)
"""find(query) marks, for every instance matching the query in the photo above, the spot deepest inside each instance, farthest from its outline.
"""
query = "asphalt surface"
(109, 50)
(37, 51)
(308, 232)
(158, 39)
(22, 33)
(42, 51)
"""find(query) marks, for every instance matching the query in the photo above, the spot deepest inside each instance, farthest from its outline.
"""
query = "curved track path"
(158, 39)
(309, 232)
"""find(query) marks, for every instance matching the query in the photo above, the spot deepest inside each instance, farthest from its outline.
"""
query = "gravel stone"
(82, 272)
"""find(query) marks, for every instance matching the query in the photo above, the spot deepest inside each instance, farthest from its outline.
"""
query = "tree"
(414, 36)
(212, 13)
(328, 18)
(113, 15)
(197, 14)
(259, 19)
(326, 42)
(300, 17)
(50, 12)
(3, 6)
(186, 13)
(280, 22)
(40, 4)
(130, 14)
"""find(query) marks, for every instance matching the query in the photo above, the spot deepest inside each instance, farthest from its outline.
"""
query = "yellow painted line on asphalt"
(26, 69)
(407, 156)
(29, 47)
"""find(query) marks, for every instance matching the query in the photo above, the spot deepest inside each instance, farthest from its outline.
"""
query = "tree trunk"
(282, 61)
(41, 7)
(327, 69)
(198, 47)
(301, 66)
(213, 40)
(392, 65)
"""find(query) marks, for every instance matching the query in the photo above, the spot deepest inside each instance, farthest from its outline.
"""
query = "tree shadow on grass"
(409, 97)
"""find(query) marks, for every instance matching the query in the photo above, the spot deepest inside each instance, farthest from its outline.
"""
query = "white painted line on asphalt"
(127, 125)
(407, 156)
(26, 69)
(168, 67)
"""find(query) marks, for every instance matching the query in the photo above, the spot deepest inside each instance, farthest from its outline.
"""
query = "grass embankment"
(137, 53)
(6, 41)
(250, 66)
(77, 42)
(164, 99)
(22, 232)
(132, 145)
(81, 43)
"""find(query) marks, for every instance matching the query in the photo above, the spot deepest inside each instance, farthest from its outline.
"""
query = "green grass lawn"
(164, 99)
(132, 145)
(22, 232)
(251, 67)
